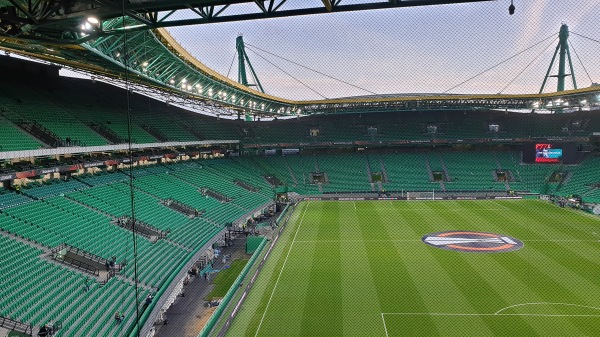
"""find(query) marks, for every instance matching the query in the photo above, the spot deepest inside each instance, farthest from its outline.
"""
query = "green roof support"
(562, 49)
(242, 60)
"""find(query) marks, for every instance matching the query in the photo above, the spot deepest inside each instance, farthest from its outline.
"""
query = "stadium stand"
(90, 211)
(407, 171)
(471, 171)
(63, 111)
(12, 138)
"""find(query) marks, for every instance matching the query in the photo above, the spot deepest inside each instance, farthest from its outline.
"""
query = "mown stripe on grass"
(225, 279)
(258, 300)
(510, 273)
(322, 312)
(442, 282)
(360, 299)
(393, 281)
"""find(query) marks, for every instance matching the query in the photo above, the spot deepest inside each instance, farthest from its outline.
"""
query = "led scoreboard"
(547, 153)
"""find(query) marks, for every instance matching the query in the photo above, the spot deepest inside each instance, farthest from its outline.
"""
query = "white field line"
(459, 314)
(431, 209)
(281, 271)
(545, 303)
(342, 241)
(384, 326)
(419, 240)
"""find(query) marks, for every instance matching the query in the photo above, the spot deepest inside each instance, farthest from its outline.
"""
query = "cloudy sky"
(408, 50)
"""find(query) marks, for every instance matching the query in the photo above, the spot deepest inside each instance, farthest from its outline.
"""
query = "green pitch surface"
(361, 269)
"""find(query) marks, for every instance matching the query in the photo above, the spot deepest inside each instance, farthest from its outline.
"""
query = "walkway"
(187, 316)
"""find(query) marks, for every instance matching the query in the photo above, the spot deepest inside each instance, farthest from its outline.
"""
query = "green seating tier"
(53, 188)
(471, 171)
(337, 167)
(10, 199)
(37, 291)
(103, 178)
(407, 171)
(14, 139)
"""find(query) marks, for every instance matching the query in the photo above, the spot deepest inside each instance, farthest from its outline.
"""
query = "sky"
(428, 49)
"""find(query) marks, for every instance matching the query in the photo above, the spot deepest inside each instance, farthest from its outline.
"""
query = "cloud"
(533, 16)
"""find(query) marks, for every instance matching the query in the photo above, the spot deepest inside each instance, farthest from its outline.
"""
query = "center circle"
(472, 242)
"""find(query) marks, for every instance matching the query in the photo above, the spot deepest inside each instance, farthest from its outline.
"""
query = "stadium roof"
(64, 21)
(96, 37)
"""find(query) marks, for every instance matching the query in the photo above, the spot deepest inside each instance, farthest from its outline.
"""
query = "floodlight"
(91, 24)
(93, 20)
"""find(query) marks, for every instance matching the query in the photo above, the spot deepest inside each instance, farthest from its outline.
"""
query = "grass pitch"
(361, 269)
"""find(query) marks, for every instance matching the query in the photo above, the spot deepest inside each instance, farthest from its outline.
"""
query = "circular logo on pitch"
(473, 242)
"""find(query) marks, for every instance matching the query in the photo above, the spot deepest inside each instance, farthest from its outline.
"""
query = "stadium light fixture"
(172, 81)
(511, 8)
(184, 80)
(584, 101)
(91, 24)
(93, 20)
(145, 64)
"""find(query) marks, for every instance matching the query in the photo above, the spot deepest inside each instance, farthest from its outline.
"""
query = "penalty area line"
(281, 271)
(384, 327)
(473, 314)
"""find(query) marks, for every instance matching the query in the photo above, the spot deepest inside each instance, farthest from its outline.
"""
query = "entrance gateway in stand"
(474, 242)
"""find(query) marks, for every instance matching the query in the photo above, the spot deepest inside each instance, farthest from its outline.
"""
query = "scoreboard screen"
(547, 153)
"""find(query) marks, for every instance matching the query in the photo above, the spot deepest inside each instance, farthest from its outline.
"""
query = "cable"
(290, 75)
(131, 190)
(589, 38)
(231, 65)
(586, 72)
(497, 64)
(528, 65)
(316, 71)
